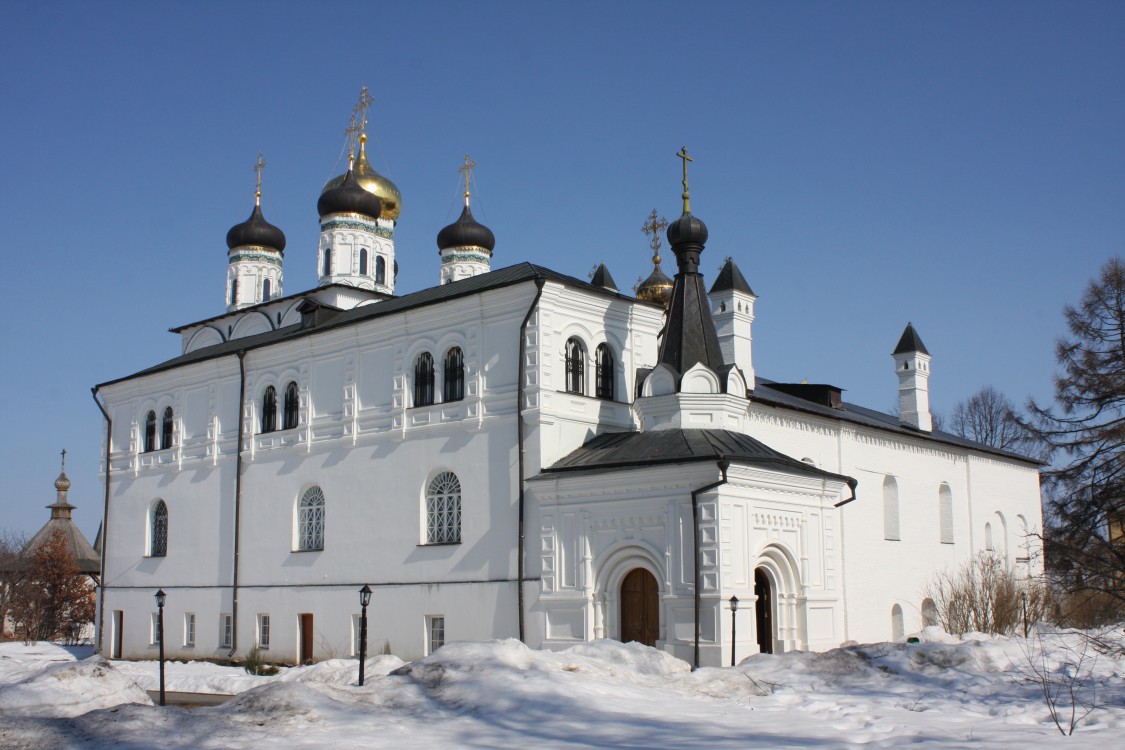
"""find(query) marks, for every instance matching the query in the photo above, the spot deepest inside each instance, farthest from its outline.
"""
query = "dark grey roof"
(765, 393)
(503, 277)
(602, 278)
(731, 278)
(621, 450)
(910, 342)
(274, 301)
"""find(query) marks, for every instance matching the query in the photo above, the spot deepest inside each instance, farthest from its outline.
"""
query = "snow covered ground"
(942, 693)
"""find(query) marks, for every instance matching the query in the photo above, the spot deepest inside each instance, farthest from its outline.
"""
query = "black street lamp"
(160, 597)
(364, 600)
(733, 623)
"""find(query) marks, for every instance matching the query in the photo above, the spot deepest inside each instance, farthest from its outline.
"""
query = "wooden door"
(763, 611)
(640, 608)
(306, 638)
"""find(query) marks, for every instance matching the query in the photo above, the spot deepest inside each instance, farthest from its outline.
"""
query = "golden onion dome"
(656, 288)
(371, 181)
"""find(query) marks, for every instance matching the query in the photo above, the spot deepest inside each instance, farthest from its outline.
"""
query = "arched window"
(363, 261)
(424, 380)
(265, 290)
(890, 509)
(269, 409)
(575, 366)
(166, 429)
(150, 432)
(234, 291)
(453, 385)
(443, 509)
(988, 537)
(380, 270)
(945, 514)
(898, 630)
(605, 366)
(929, 613)
(158, 530)
(292, 406)
(310, 520)
(327, 262)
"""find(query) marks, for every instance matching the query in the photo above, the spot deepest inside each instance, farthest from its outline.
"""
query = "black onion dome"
(687, 230)
(349, 198)
(466, 232)
(256, 231)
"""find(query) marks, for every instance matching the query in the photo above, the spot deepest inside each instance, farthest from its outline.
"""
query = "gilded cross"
(258, 167)
(350, 132)
(365, 101)
(467, 170)
(653, 226)
(687, 200)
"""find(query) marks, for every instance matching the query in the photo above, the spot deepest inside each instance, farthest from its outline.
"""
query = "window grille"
(443, 509)
(310, 520)
(150, 432)
(605, 366)
(292, 406)
(226, 630)
(166, 429)
(189, 629)
(269, 409)
(453, 385)
(575, 366)
(424, 380)
(159, 546)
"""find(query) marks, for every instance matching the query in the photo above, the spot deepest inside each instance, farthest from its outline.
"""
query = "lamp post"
(160, 597)
(364, 600)
(733, 623)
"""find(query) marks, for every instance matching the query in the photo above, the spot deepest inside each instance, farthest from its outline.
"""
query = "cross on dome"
(467, 170)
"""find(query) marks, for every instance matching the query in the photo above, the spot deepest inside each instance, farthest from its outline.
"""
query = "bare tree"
(11, 543)
(1085, 535)
(985, 595)
(50, 597)
(989, 417)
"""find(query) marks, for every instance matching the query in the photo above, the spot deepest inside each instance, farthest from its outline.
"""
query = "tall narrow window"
(310, 520)
(575, 366)
(158, 533)
(269, 409)
(380, 270)
(363, 261)
(898, 628)
(424, 380)
(453, 386)
(605, 367)
(234, 291)
(189, 629)
(292, 406)
(435, 625)
(890, 509)
(443, 509)
(265, 290)
(327, 262)
(166, 429)
(945, 514)
(226, 630)
(150, 432)
(263, 631)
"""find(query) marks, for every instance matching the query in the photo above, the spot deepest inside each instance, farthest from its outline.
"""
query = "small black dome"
(466, 232)
(687, 230)
(349, 198)
(256, 231)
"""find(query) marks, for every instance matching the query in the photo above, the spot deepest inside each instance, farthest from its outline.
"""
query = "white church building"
(518, 453)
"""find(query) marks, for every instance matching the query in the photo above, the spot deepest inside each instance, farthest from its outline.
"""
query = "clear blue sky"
(958, 165)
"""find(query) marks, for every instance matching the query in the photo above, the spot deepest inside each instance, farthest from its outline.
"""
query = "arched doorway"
(640, 603)
(763, 611)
